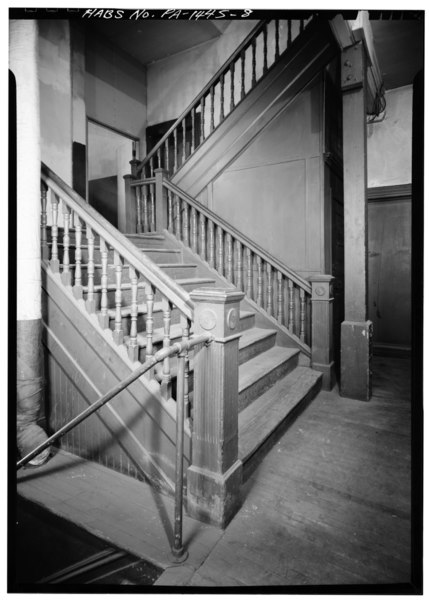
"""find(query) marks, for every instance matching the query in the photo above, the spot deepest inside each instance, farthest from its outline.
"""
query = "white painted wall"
(115, 89)
(175, 81)
(55, 97)
(389, 141)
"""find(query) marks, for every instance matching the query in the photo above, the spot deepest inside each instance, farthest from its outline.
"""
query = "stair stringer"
(139, 420)
(296, 67)
(262, 318)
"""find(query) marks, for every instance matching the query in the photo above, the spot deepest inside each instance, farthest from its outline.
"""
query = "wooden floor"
(330, 504)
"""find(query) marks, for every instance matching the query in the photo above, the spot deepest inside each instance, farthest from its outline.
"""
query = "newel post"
(214, 478)
(161, 214)
(322, 347)
(128, 218)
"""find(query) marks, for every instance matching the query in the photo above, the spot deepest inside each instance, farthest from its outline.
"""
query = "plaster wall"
(55, 97)
(389, 141)
(115, 89)
(279, 175)
(175, 81)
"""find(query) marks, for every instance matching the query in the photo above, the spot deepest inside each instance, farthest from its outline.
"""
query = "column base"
(356, 355)
(328, 371)
(214, 498)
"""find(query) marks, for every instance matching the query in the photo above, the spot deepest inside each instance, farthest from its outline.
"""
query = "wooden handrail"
(244, 45)
(228, 228)
(147, 268)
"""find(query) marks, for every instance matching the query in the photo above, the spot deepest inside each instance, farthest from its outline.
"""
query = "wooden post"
(214, 478)
(130, 217)
(322, 351)
(356, 330)
(161, 208)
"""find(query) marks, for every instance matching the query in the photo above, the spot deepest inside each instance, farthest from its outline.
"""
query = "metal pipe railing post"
(178, 553)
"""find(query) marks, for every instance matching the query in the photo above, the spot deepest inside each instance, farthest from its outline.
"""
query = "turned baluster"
(219, 254)
(269, 290)
(211, 108)
(203, 106)
(139, 209)
(265, 49)
(194, 230)
(77, 289)
(145, 210)
(185, 224)
(202, 237)
(302, 315)
(291, 321)
(185, 323)
(166, 374)
(277, 35)
(259, 281)
(152, 207)
(167, 158)
(243, 73)
(103, 317)
(151, 167)
(90, 301)
(222, 92)
(211, 244)
(132, 343)
(239, 255)
(54, 262)
(158, 156)
(229, 259)
(118, 334)
(170, 210)
(149, 293)
(253, 62)
(175, 150)
(65, 276)
(192, 130)
(280, 309)
(249, 285)
(232, 72)
(184, 140)
(179, 232)
(289, 32)
(44, 221)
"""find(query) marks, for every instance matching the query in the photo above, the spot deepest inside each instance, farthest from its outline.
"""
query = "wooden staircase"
(273, 384)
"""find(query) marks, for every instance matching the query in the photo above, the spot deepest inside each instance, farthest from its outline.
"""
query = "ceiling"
(149, 41)
(399, 43)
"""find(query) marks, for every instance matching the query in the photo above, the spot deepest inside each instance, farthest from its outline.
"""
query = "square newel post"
(356, 330)
(322, 336)
(161, 213)
(129, 219)
(214, 478)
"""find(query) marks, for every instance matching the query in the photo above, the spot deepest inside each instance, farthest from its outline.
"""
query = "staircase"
(112, 301)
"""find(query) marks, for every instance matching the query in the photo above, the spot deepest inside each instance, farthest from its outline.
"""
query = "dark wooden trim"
(334, 162)
(113, 129)
(399, 191)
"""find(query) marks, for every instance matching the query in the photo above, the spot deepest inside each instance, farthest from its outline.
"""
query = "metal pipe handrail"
(178, 552)
(159, 356)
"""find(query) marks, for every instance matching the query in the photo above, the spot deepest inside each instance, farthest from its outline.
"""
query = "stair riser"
(248, 395)
(246, 322)
(256, 348)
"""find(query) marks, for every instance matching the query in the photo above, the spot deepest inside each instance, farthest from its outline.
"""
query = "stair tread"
(160, 250)
(148, 235)
(254, 334)
(256, 368)
(167, 265)
(259, 420)
(196, 280)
